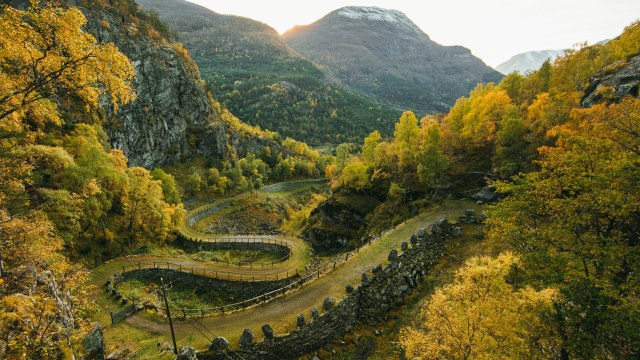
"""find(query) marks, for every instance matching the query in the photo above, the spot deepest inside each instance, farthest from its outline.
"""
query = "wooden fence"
(246, 303)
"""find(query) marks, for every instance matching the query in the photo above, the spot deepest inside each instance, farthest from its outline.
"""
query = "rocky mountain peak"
(373, 13)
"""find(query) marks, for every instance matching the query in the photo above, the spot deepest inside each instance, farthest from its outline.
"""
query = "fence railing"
(246, 240)
(199, 213)
(263, 298)
(117, 316)
(210, 273)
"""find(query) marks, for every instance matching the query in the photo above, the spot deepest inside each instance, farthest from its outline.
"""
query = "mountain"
(528, 61)
(382, 53)
(249, 68)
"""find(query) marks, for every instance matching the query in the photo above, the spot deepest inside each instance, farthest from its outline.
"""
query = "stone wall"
(200, 214)
(241, 290)
(381, 290)
(289, 185)
(279, 249)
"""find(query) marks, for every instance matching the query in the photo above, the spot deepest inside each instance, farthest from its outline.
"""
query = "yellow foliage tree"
(45, 55)
(481, 316)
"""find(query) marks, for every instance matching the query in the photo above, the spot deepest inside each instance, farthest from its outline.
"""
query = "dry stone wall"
(380, 292)
(241, 290)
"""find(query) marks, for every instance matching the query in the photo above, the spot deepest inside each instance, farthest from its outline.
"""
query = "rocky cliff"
(614, 82)
(172, 118)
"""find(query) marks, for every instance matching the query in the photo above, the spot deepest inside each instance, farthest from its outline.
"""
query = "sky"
(494, 30)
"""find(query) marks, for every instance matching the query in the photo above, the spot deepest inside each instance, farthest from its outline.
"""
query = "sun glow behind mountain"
(494, 31)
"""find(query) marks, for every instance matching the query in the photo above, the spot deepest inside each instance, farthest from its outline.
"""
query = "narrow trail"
(281, 312)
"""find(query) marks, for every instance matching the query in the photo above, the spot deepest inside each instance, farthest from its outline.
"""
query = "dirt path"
(280, 313)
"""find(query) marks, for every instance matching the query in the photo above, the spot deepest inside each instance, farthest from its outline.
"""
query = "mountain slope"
(383, 53)
(528, 61)
(252, 72)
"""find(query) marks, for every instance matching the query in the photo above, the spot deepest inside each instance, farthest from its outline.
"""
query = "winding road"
(281, 312)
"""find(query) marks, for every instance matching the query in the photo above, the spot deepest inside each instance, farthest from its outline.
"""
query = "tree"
(431, 162)
(369, 147)
(481, 316)
(45, 56)
(575, 222)
(406, 140)
(510, 145)
(354, 176)
(169, 190)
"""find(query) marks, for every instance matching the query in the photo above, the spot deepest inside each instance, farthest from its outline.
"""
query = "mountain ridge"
(400, 66)
(249, 68)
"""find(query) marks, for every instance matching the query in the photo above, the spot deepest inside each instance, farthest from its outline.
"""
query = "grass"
(235, 256)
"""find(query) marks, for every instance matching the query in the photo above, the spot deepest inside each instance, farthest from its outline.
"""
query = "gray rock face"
(187, 353)
(93, 344)
(624, 81)
(301, 321)
(247, 337)
(443, 223)
(219, 344)
(268, 331)
(328, 303)
(315, 313)
(486, 195)
(393, 254)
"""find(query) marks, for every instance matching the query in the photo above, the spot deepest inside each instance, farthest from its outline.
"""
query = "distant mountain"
(249, 68)
(528, 61)
(382, 53)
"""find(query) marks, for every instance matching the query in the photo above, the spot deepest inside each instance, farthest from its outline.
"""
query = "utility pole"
(166, 303)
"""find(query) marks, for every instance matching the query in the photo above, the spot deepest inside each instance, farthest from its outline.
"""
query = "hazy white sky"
(494, 30)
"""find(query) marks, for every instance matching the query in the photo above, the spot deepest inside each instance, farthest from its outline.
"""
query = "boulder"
(301, 321)
(219, 344)
(186, 353)
(377, 268)
(422, 233)
(118, 296)
(442, 223)
(349, 288)
(247, 337)
(315, 313)
(404, 246)
(327, 304)
(414, 239)
(268, 331)
(125, 300)
(456, 232)
(364, 277)
(486, 195)
(435, 229)
(393, 254)
(470, 212)
(93, 344)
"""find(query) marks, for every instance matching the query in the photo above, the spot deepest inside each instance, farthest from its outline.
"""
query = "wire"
(214, 335)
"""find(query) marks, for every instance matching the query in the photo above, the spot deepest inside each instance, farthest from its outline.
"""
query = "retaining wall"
(241, 290)
(384, 290)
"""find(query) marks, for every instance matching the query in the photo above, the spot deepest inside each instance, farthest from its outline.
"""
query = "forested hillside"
(251, 71)
(560, 145)
(68, 199)
(560, 148)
